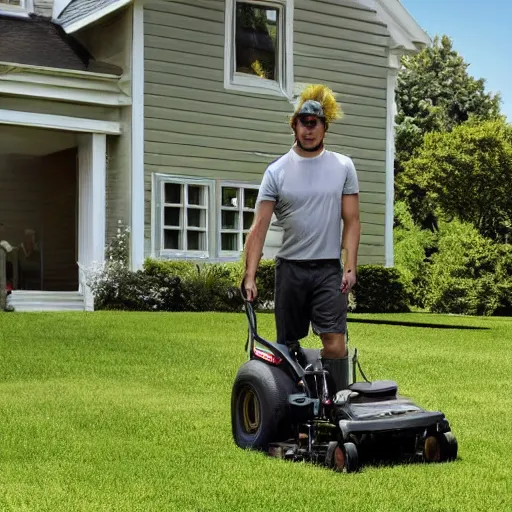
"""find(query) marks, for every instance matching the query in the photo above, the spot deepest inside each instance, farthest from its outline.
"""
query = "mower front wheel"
(259, 405)
(342, 457)
(441, 447)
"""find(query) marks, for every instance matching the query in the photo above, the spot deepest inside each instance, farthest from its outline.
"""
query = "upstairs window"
(259, 51)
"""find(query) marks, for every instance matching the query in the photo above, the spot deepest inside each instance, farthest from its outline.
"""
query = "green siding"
(194, 127)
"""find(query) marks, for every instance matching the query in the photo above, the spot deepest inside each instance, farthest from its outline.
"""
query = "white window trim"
(284, 85)
(159, 180)
(229, 184)
(22, 10)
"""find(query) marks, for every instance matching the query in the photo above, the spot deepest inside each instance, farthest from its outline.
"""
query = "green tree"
(463, 174)
(412, 247)
(436, 93)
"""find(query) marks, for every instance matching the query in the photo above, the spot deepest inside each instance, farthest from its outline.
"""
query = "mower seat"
(377, 389)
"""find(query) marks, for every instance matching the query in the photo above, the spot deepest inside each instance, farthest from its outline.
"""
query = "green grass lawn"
(129, 412)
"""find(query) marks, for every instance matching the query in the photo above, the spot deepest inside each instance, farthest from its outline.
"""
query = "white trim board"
(59, 6)
(58, 84)
(95, 16)
(405, 32)
(54, 122)
(390, 167)
(137, 170)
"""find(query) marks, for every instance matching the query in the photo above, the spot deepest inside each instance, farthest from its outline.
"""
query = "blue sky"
(481, 32)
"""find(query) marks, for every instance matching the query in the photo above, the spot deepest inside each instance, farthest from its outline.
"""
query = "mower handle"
(281, 350)
(249, 311)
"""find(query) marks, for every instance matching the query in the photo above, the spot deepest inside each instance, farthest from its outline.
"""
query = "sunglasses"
(309, 123)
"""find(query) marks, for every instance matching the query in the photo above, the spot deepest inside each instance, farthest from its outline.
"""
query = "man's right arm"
(254, 245)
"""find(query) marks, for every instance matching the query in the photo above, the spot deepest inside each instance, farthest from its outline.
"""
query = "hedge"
(186, 286)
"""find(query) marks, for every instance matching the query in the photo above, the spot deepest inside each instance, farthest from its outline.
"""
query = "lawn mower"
(284, 404)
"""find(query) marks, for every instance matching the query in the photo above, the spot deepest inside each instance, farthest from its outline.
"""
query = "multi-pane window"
(201, 218)
(184, 217)
(258, 45)
(237, 209)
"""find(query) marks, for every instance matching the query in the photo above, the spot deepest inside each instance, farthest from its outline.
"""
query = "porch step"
(28, 301)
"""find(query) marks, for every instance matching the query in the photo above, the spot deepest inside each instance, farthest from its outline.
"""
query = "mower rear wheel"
(343, 458)
(260, 413)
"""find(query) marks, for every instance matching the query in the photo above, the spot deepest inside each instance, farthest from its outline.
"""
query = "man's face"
(310, 131)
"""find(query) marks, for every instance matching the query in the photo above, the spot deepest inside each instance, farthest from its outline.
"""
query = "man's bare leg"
(334, 345)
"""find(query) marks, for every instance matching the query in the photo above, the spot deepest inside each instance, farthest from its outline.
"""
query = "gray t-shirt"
(308, 195)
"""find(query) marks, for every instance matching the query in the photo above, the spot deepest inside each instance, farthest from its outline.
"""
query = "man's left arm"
(350, 239)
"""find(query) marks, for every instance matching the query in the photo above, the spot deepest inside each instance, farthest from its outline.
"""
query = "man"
(311, 190)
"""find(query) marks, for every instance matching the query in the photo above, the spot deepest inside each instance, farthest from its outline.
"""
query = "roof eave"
(77, 25)
(64, 84)
(406, 35)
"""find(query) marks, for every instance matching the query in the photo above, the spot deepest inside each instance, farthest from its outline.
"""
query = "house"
(163, 114)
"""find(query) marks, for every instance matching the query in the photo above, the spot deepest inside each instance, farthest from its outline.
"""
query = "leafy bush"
(379, 290)
(412, 247)
(503, 275)
(188, 286)
(116, 287)
(462, 277)
(204, 287)
(265, 281)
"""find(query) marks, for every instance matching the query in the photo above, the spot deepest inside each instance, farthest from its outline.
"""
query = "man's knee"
(334, 345)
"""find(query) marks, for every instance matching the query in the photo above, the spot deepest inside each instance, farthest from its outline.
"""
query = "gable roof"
(80, 13)
(36, 41)
(406, 34)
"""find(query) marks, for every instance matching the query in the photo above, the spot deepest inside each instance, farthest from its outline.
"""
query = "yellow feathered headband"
(330, 109)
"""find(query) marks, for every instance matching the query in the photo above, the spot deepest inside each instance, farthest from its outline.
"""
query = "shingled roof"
(37, 41)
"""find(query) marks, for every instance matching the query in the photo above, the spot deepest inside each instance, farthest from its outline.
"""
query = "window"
(182, 217)
(201, 218)
(22, 4)
(258, 52)
(237, 207)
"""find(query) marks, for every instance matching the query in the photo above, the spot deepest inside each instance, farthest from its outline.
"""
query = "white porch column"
(394, 64)
(92, 152)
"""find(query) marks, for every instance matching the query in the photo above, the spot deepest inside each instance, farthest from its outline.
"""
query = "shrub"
(116, 287)
(462, 277)
(188, 286)
(204, 286)
(503, 275)
(412, 246)
(379, 290)
(265, 281)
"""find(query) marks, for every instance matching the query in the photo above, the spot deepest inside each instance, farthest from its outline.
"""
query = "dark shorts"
(308, 292)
